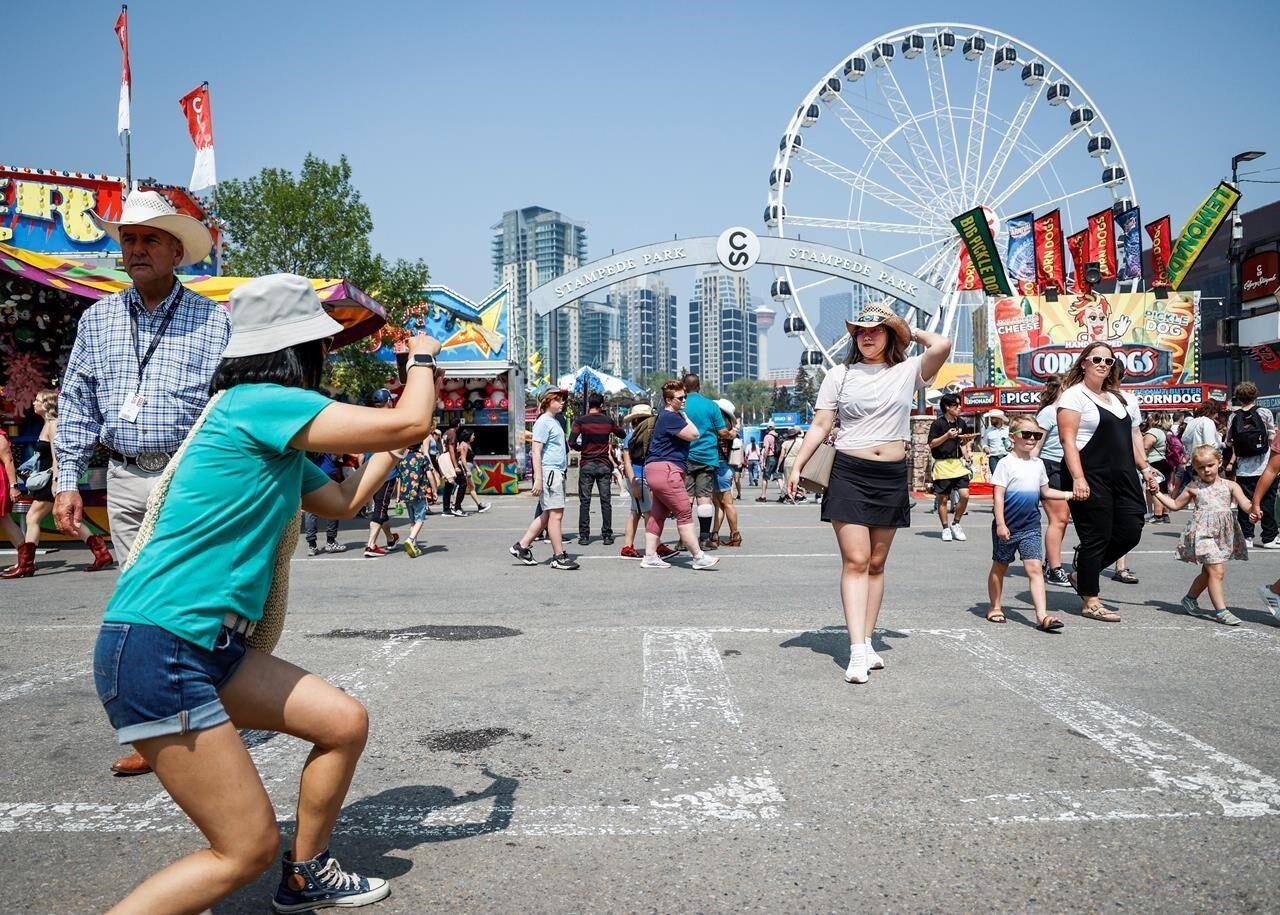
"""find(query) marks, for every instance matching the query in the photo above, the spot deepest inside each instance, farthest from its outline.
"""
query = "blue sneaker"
(321, 883)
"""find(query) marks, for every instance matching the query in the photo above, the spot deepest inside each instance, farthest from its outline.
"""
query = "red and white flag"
(122, 32)
(195, 105)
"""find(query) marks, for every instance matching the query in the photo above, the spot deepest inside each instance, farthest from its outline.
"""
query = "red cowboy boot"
(26, 566)
(133, 764)
(101, 555)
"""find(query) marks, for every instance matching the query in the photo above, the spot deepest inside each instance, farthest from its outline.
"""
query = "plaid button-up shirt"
(102, 375)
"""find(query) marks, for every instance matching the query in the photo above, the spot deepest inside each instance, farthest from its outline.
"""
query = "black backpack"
(1248, 434)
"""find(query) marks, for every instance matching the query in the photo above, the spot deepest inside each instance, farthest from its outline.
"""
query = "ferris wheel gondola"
(902, 135)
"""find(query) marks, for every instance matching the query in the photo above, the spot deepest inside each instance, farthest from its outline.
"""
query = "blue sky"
(642, 120)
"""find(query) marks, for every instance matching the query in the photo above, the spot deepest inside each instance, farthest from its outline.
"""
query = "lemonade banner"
(1030, 339)
(1199, 230)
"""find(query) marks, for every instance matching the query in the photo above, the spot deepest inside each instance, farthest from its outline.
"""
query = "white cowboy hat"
(639, 411)
(873, 314)
(270, 313)
(726, 405)
(151, 208)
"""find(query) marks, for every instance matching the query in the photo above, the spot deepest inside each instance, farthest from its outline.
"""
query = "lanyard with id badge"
(132, 407)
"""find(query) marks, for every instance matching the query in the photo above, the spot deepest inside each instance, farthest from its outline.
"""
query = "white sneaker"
(1248, 542)
(856, 672)
(653, 562)
(1270, 600)
(1271, 544)
(946, 535)
(705, 561)
(874, 661)
(958, 532)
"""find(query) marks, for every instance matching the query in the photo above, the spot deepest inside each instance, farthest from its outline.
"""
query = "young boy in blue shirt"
(1020, 482)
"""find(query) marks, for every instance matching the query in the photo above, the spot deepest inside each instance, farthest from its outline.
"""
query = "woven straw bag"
(267, 633)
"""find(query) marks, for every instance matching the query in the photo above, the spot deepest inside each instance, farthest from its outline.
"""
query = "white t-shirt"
(1021, 480)
(1079, 398)
(1199, 430)
(872, 402)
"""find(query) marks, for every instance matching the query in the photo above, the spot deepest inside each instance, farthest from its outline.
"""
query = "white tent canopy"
(587, 379)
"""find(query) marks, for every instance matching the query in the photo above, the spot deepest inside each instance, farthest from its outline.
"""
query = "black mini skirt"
(871, 493)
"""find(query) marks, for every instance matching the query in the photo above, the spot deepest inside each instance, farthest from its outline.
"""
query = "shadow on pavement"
(833, 641)
(1025, 617)
(393, 820)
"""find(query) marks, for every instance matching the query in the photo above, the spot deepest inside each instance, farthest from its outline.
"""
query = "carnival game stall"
(483, 386)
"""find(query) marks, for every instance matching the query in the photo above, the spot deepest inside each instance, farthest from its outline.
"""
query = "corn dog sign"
(1030, 338)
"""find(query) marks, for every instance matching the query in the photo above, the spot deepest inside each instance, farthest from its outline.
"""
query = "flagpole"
(128, 162)
(126, 100)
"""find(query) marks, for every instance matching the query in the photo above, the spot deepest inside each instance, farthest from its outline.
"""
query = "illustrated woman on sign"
(1093, 314)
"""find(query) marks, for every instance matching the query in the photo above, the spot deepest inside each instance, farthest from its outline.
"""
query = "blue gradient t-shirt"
(1021, 480)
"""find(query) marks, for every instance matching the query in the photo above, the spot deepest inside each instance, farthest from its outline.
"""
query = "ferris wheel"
(914, 128)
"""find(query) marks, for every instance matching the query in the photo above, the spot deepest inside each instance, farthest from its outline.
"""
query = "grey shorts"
(645, 503)
(552, 490)
(700, 481)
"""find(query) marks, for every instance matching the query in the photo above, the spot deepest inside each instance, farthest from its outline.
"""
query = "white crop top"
(1079, 398)
(872, 402)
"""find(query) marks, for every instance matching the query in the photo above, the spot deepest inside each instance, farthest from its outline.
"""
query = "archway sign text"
(735, 249)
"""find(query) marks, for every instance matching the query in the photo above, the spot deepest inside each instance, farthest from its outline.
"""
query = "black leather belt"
(150, 461)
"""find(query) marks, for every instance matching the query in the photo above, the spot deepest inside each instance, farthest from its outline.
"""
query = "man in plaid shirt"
(138, 375)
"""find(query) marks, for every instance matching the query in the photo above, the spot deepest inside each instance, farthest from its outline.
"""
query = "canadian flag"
(122, 32)
(195, 105)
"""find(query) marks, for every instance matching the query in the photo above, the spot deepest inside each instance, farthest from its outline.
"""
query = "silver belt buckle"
(152, 461)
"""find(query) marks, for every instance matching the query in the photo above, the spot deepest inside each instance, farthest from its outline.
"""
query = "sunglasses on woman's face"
(1028, 436)
(1103, 360)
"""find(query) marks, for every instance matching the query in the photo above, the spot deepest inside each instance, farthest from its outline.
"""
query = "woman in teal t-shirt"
(171, 666)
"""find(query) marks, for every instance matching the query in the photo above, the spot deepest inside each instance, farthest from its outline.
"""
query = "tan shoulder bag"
(816, 476)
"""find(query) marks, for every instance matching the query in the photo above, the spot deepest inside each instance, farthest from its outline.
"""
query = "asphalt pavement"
(619, 739)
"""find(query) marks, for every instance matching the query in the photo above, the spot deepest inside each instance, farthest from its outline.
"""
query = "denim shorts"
(724, 478)
(152, 683)
(1026, 544)
(417, 509)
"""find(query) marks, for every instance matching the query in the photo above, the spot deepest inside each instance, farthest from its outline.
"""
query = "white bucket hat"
(270, 313)
(150, 208)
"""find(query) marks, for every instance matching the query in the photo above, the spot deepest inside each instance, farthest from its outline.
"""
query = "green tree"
(804, 393)
(752, 398)
(781, 400)
(314, 224)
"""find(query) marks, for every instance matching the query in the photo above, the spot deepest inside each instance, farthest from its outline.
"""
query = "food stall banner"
(1049, 254)
(49, 212)
(1021, 254)
(1031, 338)
(967, 280)
(1149, 397)
(467, 330)
(1200, 228)
(1129, 226)
(1101, 243)
(195, 106)
(1160, 244)
(976, 235)
(1076, 244)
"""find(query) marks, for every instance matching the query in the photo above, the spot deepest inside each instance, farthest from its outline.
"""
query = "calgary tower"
(764, 320)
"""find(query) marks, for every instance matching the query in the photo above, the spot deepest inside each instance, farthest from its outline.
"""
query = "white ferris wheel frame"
(914, 192)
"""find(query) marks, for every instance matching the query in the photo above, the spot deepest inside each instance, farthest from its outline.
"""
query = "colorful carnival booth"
(483, 386)
(55, 262)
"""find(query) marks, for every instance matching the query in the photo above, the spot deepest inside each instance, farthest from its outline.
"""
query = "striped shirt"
(102, 375)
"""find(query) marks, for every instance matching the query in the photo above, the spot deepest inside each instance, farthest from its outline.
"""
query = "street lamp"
(1234, 250)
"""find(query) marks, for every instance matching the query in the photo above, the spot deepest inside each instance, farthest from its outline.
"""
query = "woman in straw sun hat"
(171, 663)
(867, 498)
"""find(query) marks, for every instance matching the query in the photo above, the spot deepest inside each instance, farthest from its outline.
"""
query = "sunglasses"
(1028, 436)
(1102, 360)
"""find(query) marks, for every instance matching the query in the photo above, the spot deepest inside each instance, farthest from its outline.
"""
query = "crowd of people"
(214, 422)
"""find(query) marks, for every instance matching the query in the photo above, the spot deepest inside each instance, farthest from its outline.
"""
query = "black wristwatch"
(422, 359)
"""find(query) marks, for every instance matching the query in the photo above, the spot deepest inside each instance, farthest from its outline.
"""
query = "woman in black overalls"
(1109, 507)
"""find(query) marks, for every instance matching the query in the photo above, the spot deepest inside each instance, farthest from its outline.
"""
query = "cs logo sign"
(738, 249)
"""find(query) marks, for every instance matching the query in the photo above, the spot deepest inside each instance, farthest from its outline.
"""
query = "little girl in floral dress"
(1213, 534)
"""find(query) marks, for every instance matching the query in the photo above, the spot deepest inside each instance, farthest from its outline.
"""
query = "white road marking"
(1194, 777)
(43, 676)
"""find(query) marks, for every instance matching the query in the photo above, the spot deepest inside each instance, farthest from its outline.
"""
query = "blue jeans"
(152, 683)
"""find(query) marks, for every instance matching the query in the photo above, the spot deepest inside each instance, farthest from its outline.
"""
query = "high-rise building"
(722, 328)
(600, 336)
(648, 320)
(530, 247)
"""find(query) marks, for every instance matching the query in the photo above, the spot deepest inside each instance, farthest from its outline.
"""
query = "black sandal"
(995, 615)
(1125, 577)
